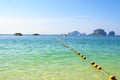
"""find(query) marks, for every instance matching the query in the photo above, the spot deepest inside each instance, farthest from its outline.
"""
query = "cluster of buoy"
(62, 43)
(78, 53)
(75, 51)
(96, 65)
(111, 77)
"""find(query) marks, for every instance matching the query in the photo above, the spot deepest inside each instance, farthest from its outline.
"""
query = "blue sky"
(59, 16)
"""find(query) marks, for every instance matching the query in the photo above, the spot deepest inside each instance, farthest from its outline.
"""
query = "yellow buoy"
(112, 77)
(66, 46)
(99, 67)
(71, 48)
(75, 51)
(92, 63)
(84, 57)
(95, 65)
(78, 53)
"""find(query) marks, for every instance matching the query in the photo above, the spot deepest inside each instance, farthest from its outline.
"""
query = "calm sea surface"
(44, 58)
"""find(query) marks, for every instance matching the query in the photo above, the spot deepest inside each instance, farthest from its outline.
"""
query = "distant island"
(18, 34)
(36, 34)
(111, 33)
(96, 32)
(101, 32)
(76, 33)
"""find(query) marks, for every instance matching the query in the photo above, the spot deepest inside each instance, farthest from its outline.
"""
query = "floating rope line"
(97, 66)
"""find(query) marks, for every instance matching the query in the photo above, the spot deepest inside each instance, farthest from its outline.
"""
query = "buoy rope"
(111, 77)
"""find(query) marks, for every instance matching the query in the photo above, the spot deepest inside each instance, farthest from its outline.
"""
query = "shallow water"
(43, 58)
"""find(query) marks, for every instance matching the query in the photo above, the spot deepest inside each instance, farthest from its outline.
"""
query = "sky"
(59, 16)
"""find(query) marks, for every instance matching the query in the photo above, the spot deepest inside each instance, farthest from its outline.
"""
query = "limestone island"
(98, 32)
(18, 34)
(36, 34)
(76, 33)
(111, 33)
(101, 32)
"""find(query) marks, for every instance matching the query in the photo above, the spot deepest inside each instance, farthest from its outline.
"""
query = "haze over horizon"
(59, 16)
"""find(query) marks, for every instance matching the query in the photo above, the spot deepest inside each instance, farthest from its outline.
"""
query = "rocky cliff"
(99, 32)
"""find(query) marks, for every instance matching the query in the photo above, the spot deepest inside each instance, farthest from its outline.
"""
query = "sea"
(43, 57)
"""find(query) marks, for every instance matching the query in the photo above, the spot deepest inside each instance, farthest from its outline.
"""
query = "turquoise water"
(43, 58)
